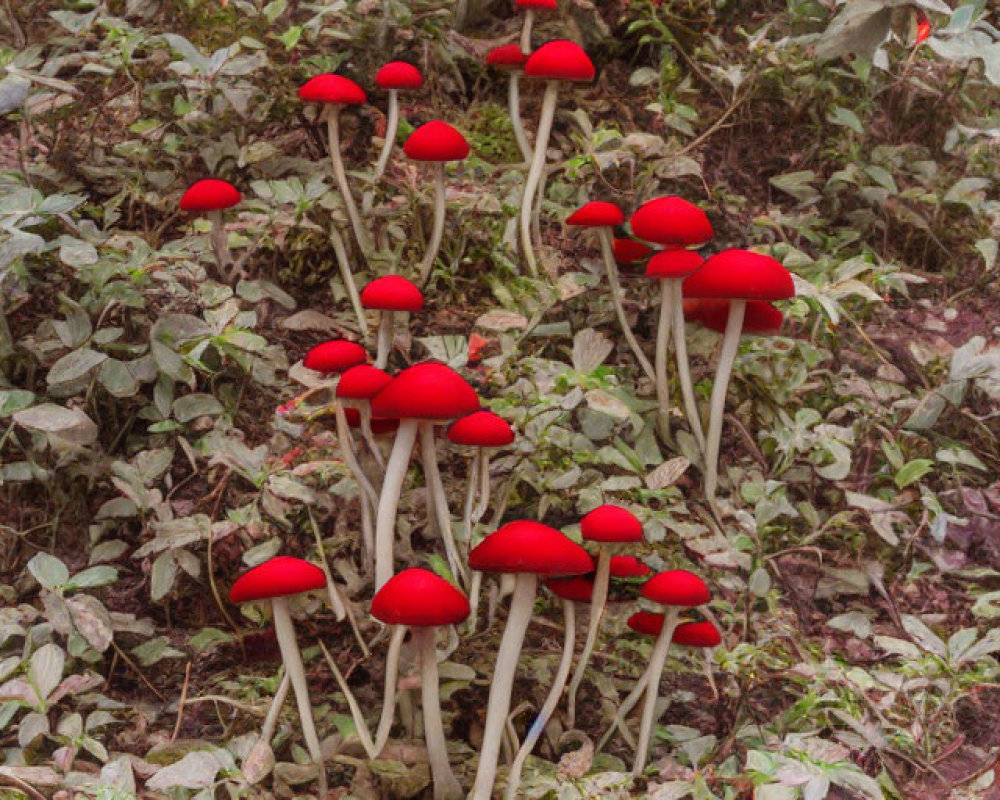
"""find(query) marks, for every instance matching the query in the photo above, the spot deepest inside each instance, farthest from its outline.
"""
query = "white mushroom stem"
(549, 706)
(384, 339)
(470, 495)
(717, 405)
(437, 232)
(388, 501)
(389, 693)
(446, 785)
(683, 369)
(484, 487)
(514, 108)
(535, 171)
(428, 453)
(660, 358)
(598, 599)
(365, 410)
(611, 268)
(333, 132)
(508, 654)
(709, 658)
(479, 482)
(220, 244)
(529, 19)
(368, 493)
(656, 661)
(391, 126)
(290, 655)
(626, 705)
(271, 720)
(347, 277)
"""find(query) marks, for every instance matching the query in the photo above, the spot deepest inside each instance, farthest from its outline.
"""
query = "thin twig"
(180, 703)
(17, 783)
(135, 668)
(219, 491)
(699, 140)
(20, 41)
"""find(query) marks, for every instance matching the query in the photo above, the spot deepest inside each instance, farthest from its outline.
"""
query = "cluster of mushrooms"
(730, 292)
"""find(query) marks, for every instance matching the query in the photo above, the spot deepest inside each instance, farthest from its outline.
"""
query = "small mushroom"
(511, 58)
(212, 196)
(530, 8)
(355, 390)
(388, 294)
(629, 251)
(394, 77)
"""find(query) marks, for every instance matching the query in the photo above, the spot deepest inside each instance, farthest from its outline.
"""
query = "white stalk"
(598, 599)
(683, 370)
(389, 693)
(388, 502)
(508, 654)
(484, 487)
(446, 785)
(384, 339)
(549, 706)
(717, 406)
(333, 132)
(432, 475)
(536, 209)
(535, 171)
(470, 494)
(220, 244)
(529, 18)
(626, 705)
(514, 108)
(607, 249)
(656, 661)
(707, 653)
(437, 232)
(274, 711)
(475, 591)
(285, 632)
(365, 410)
(368, 493)
(340, 251)
(364, 734)
(660, 359)
(391, 126)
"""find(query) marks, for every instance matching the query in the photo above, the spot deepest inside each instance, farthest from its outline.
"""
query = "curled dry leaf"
(668, 473)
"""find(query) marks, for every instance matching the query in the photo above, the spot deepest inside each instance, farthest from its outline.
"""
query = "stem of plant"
(285, 632)
(274, 711)
(660, 359)
(627, 705)
(611, 268)
(470, 494)
(508, 654)
(365, 410)
(432, 475)
(514, 108)
(389, 693)
(484, 488)
(549, 706)
(340, 251)
(535, 171)
(656, 661)
(529, 19)
(384, 339)
(598, 599)
(388, 501)
(717, 405)
(446, 786)
(220, 245)
(364, 734)
(333, 132)
(368, 493)
(683, 369)
(391, 125)
(437, 232)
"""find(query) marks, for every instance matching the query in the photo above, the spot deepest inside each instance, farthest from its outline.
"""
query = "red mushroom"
(629, 251)
(388, 294)
(530, 7)
(394, 77)
(355, 390)
(628, 567)
(212, 196)
(760, 316)
(438, 142)
(511, 58)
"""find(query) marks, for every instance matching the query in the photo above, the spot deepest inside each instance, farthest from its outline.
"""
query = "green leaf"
(74, 366)
(192, 406)
(48, 570)
(45, 670)
(844, 116)
(95, 576)
(913, 471)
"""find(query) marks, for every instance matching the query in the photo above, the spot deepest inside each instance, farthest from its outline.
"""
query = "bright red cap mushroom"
(381, 426)
(629, 251)
(210, 194)
(597, 214)
(579, 589)
(332, 89)
(646, 622)
(547, 5)
(353, 417)
(671, 221)
(507, 56)
(362, 382)
(481, 429)
(628, 567)
(277, 577)
(676, 587)
(436, 141)
(697, 634)
(429, 390)
(673, 264)
(759, 316)
(560, 60)
(741, 275)
(399, 75)
(419, 598)
(526, 546)
(392, 293)
(334, 356)
(612, 524)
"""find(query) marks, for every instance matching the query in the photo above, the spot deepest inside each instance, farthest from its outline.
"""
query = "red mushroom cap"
(597, 214)
(385, 425)
(481, 429)
(673, 264)
(697, 634)
(362, 382)
(436, 141)
(353, 417)
(392, 293)
(332, 89)
(759, 316)
(612, 524)
(429, 390)
(210, 194)
(277, 577)
(676, 587)
(547, 5)
(507, 56)
(419, 598)
(399, 75)
(526, 546)
(741, 275)
(334, 356)
(646, 622)
(629, 251)
(628, 567)
(560, 60)
(579, 588)
(671, 221)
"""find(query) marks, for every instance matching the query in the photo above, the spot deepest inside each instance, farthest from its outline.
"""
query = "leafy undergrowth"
(151, 447)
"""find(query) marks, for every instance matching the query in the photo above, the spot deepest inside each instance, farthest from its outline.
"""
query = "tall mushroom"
(706, 637)
(418, 397)
(610, 527)
(629, 251)
(276, 580)
(388, 294)
(737, 276)
(212, 196)
(527, 549)
(334, 92)
(530, 8)
(510, 58)
(556, 62)
(394, 77)
(355, 389)
(438, 142)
